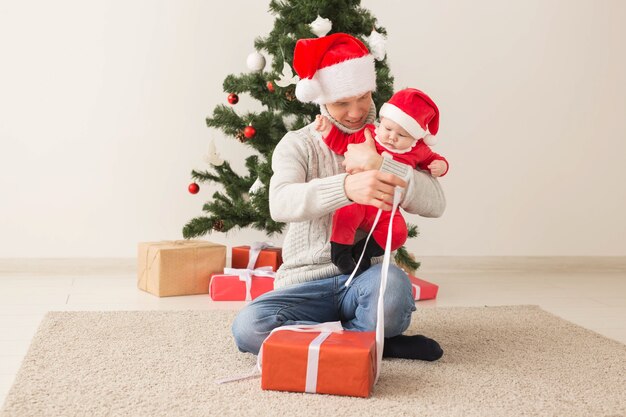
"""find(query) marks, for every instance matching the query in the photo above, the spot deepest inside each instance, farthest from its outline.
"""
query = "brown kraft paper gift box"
(179, 267)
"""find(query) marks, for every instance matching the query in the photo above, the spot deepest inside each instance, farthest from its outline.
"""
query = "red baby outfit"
(348, 219)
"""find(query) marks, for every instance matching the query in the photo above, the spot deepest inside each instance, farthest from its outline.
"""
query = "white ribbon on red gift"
(255, 250)
(418, 291)
(245, 275)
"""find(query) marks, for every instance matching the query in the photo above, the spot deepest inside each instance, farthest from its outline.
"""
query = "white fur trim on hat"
(308, 89)
(430, 140)
(407, 122)
(346, 79)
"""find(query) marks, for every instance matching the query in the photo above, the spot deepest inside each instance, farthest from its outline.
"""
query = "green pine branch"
(404, 258)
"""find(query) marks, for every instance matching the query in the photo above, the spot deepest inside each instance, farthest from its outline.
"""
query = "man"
(310, 182)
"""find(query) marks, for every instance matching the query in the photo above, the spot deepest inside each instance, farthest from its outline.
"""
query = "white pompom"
(430, 140)
(308, 90)
(256, 61)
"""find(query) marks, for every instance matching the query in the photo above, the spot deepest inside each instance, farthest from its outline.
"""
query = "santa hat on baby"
(333, 67)
(415, 112)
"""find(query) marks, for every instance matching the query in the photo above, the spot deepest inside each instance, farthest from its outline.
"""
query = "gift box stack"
(251, 275)
(187, 267)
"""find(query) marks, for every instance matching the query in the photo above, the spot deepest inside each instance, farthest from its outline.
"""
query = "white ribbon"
(418, 291)
(349, 281)
(255, 250)
(380, 318)
(245, 275)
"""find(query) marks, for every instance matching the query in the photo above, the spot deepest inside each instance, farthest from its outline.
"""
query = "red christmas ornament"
(249, 132)
(193, 188)
(233, 98)
(270, 86)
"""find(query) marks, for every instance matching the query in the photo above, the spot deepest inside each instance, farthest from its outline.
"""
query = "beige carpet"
(499, 361)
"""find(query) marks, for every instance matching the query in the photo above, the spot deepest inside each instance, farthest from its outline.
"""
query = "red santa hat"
(333, 67)
(415, 112)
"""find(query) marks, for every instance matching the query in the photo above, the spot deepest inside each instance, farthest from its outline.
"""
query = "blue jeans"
(327, 300)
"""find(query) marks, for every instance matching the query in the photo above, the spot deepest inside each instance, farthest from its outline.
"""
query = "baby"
(408, 123)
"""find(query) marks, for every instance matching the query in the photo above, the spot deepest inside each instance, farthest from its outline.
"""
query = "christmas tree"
(244, 201)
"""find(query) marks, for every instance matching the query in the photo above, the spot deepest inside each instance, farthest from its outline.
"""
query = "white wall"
(102, 108)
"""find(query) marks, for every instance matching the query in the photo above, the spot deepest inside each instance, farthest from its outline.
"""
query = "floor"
(591, 293)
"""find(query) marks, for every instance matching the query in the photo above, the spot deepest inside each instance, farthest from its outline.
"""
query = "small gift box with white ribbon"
(266, 255)
(244, 283)
(321, 359)
(241, 284)
(422, 289)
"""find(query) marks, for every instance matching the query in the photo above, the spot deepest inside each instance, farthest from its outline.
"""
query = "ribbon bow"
(246, 276)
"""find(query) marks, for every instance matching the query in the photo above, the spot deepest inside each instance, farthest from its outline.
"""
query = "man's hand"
(373, 187)
(322, 125)
(362, 156)
(437, 168)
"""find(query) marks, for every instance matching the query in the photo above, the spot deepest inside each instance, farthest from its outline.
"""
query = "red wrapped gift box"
(269, 256)
(231, 288)
(343, 364)
(423, 290)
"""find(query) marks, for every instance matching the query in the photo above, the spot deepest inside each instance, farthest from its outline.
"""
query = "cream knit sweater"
(308, 186)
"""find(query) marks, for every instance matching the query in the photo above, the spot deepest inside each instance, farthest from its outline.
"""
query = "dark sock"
(412, 347)
(341, 256)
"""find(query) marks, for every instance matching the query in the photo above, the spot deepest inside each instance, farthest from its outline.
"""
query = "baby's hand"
(322, 125)
(437, 168)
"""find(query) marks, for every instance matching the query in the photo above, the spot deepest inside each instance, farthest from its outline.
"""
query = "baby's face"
(392, 135)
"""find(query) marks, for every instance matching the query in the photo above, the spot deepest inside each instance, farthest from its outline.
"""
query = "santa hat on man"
(333, 67)
(415, 112)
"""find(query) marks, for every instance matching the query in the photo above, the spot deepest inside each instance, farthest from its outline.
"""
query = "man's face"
(351, 112)
(392, 135)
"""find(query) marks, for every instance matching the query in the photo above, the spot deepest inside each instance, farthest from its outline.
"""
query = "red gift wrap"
(269, 256)
(343, 364)
(231, 288)
(423, 290)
